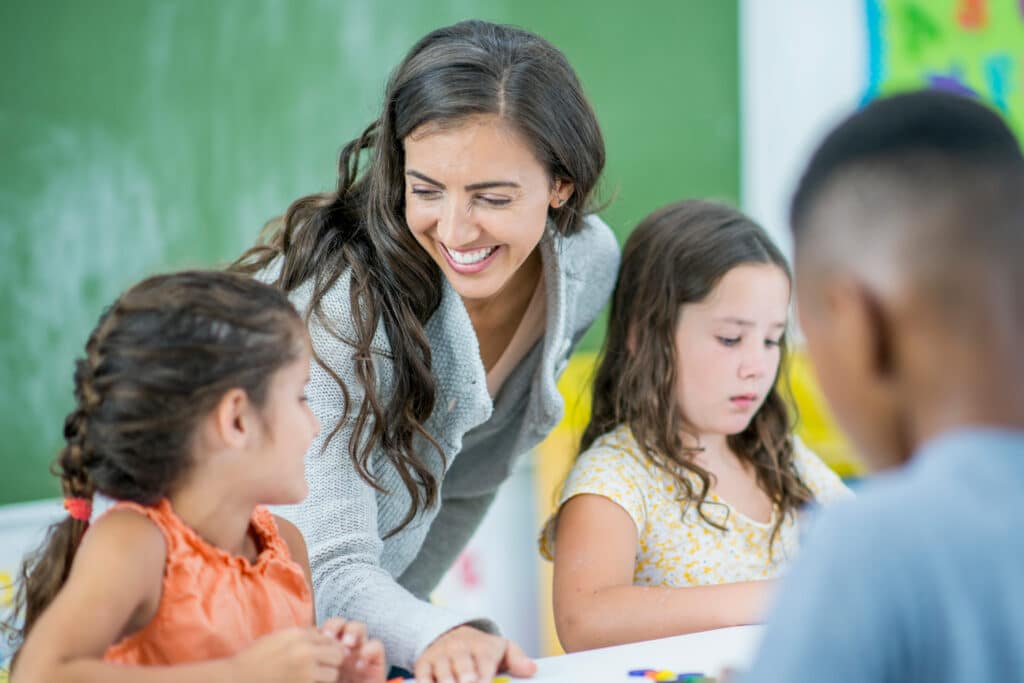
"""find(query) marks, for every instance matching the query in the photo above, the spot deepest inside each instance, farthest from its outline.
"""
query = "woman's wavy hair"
(676, 256)
(159, 359)
(468, 69)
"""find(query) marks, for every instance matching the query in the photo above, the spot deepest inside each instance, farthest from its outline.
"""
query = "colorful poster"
(974, 47)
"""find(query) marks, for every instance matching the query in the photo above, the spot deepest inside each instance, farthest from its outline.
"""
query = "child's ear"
(864, 325)
(232, 419)
(866, 379)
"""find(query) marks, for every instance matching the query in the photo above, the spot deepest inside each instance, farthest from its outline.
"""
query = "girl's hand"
(295, 655)
(363, 659)
(468, 655)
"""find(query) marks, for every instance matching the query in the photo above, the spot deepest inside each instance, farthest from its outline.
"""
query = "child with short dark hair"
(909, 234)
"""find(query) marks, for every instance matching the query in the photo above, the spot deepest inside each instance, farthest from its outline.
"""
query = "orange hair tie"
(79, 508)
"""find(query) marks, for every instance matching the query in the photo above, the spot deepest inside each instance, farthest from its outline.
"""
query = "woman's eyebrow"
(486, 185)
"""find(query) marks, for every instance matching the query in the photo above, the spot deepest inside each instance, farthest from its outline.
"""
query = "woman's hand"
(363, 658)
(468, 655)
(295, 655)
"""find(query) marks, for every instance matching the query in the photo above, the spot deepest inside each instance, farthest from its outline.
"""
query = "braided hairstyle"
(159, 360)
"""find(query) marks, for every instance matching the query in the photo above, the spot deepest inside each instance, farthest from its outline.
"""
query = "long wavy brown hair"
(676, 256)
(453, 73)
(158, 360)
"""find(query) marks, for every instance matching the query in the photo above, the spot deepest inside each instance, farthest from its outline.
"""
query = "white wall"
(21, 530)
(496, 574)
(803, 66)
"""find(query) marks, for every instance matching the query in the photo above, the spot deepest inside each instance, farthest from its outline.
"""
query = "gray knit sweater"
(357, 574)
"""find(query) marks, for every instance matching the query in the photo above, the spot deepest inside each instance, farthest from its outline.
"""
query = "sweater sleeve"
(339, 519)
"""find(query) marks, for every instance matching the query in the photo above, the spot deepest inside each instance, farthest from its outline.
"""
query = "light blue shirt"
(920, 579)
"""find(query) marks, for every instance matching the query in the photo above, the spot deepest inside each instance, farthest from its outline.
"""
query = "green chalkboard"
(140, 136)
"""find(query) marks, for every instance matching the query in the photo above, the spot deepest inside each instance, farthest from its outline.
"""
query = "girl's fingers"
(333, 626)
(353, 635)
(325, 674)
(373, 650)
(329, 654)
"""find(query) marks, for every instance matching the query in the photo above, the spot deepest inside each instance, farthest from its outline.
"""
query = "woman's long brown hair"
(675, 257)
(453, 73)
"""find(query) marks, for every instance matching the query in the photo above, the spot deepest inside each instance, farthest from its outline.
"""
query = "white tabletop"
(707, 652)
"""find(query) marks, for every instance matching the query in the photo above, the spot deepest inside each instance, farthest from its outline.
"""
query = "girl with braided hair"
(191, 415)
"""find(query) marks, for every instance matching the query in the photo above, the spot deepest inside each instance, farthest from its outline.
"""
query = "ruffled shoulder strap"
(160, 514)
(269, 535)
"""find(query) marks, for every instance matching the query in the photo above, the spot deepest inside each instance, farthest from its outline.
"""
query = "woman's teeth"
(468, 258)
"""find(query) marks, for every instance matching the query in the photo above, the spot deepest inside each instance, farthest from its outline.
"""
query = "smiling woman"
(477, 201)
(469, 226)
(444, 288)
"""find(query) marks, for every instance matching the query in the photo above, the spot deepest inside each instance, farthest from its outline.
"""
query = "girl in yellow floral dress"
(683, 504)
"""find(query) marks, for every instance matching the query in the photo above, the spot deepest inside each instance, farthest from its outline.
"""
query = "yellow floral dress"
(675, 546)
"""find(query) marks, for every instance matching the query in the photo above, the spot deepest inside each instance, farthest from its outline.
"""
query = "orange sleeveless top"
(214, 604)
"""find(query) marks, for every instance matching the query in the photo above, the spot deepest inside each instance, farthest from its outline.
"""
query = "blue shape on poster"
(998, 68)
(874, 21)
(953, 82)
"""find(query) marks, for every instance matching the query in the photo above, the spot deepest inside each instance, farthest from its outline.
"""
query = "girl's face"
(727, 349)
(289, 428)
(477, 200)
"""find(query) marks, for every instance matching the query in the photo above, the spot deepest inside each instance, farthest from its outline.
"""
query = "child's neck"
(734, 481)
(220, 520)
(978, 387)
(708, 448)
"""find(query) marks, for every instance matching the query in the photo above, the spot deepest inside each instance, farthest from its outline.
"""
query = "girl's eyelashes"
(733, 341)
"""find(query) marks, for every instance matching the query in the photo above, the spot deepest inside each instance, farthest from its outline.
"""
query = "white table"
(707, 652)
